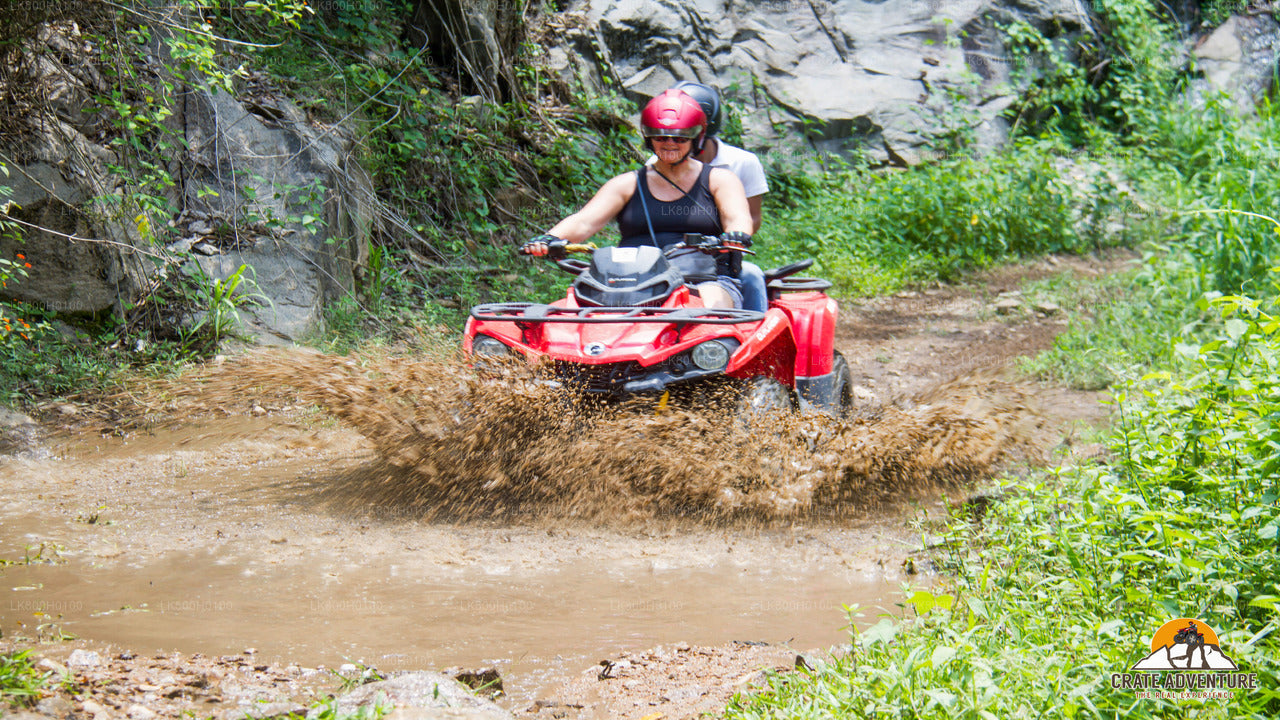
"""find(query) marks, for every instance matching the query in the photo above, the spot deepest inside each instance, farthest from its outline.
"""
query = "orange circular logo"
(1164, 637)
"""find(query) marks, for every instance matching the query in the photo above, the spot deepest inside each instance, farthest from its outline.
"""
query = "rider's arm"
(731, 200)
(605, 206)
(755, 202)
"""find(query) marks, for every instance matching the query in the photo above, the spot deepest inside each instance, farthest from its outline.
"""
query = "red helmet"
(673, 114)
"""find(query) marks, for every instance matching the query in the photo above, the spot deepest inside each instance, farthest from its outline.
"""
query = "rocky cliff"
(867, 75)
(874, 76)
(254, 182)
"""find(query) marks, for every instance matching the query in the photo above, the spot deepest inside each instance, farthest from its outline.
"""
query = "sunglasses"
(676, 140)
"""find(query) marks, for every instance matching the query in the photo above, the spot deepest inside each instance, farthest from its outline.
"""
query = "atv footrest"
(536, 313)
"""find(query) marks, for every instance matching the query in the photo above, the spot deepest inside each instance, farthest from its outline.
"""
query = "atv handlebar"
(712, 245)
(569, 248)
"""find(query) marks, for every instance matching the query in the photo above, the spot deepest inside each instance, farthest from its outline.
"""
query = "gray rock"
(87, 258)
(83, 659)
(423, 695)
(867, 75)
(1004, 306)
(1239, 58)
(20, 435)
(260, 711)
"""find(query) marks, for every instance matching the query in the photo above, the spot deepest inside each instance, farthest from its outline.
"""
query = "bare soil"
(390, 507)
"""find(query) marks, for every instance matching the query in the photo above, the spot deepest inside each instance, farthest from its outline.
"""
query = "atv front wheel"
(761, 396)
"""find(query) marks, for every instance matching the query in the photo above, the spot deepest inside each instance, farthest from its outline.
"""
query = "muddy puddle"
(403, 515)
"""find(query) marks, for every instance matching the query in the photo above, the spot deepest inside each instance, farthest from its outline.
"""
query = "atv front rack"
(536, 313)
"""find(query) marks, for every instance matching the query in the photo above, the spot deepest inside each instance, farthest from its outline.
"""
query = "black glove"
(545, 246)
(730, 263)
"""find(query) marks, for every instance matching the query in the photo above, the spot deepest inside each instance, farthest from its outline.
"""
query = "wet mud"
(456, 444)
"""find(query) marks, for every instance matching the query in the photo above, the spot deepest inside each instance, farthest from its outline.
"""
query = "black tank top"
(696, 212)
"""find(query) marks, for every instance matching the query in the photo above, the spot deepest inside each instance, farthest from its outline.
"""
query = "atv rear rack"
(535, 313)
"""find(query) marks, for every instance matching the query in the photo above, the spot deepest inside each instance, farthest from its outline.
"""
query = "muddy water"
(428, 518)
(217, 536)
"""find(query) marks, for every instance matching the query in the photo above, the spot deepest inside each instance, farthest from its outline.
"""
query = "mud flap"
(818, 393)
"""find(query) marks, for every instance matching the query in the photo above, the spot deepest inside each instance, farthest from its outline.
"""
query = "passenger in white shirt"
(747, 167)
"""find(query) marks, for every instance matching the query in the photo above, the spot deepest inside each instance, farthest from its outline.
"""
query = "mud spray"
(456, 445)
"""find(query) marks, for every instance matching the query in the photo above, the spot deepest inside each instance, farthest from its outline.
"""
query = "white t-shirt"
(742, 163)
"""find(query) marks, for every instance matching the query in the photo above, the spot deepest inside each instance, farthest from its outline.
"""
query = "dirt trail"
(408, 534)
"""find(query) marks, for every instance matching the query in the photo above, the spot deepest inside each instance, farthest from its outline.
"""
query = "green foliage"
(219, 302)
(1118, 80)
(875, 232)
(1210, 183)
(1215, 12)
(20, 682)
(1182, 525)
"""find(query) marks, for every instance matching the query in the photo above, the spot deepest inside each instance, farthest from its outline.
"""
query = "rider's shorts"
(733, 286)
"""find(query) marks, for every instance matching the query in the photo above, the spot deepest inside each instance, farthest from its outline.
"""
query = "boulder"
(283, 198)
(20, 435)
(1239, 58)
(259, 185)
(423, 696)
(870, 76)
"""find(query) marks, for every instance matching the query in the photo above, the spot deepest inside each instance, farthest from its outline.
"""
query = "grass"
(874, 233)
(1065, 581)
(21, 684)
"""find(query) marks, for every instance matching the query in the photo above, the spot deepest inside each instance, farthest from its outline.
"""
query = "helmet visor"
(689, 132)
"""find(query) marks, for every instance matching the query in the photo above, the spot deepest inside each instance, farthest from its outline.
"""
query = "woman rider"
(658, 204)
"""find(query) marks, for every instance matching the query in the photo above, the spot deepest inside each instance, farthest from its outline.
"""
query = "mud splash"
(457, 446)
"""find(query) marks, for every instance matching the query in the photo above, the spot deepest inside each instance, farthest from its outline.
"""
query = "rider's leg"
(754, 294)
(722, 293)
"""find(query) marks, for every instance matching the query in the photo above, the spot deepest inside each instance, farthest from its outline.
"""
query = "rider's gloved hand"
(545, 246)
(730, 263)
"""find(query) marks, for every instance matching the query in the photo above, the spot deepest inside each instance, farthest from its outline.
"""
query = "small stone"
(84, 659)
(1047, 308)
(206, 249)
(140, 712)
(347, 667)
(68, 410)
(51, 666)
(862, 393)
(200, 227)
(56, 706)
(1007, 305)
(91, 707)
(258, 410)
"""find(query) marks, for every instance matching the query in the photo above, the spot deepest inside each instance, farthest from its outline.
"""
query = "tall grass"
(874, 232)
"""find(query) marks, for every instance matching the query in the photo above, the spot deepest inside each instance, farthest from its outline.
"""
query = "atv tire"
(760, 397)
(842, 393)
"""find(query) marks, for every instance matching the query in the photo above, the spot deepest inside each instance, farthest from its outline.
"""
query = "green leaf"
(881, 632)
(923, 600)
(1236, 328)
(941, 697)
(942, 655)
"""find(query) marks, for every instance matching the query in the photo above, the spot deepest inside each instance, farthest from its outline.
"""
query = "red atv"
(629, 326)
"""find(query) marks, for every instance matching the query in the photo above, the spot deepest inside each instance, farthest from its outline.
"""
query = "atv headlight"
(492, 347)
(711, 355)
